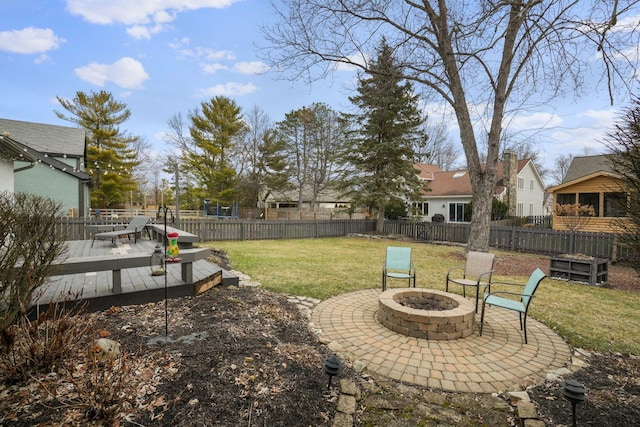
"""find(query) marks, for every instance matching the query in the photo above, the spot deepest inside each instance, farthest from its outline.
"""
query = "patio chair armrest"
(484, 274)
(518, 294)
(488, 285)
(457, 267)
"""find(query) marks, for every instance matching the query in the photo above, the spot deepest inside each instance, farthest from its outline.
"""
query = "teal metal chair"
(516, 301)
(477, 272)
(398, 265)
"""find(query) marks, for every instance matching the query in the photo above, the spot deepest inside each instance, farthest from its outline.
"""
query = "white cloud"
(352, 64)
(152, 15)
(29, 40)
(212, 68)
(229, 89)
(255, 67)
(600, 118)
(125, 72)
(535, 121)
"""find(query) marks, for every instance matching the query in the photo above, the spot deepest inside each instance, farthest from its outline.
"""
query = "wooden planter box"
(593, 271)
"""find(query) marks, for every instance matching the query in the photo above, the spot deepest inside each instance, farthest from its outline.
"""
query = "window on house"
(531, 185)
(530, 209)
(566, 199)
(615, 204)
(421, 208)
(520, 209)
(457, 212)
(590, 199)
(520, 183)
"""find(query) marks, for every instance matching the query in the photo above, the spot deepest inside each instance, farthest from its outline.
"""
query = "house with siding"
(519, 186)
(52, 163)
(591, 181)
(11, 151)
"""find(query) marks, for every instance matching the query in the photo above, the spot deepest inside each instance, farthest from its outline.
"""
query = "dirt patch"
(248, 357)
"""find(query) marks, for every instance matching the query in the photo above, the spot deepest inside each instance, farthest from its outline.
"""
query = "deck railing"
(517, 239)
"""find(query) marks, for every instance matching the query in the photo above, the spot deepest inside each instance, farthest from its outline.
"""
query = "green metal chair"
(516, 301)
(477, 272)
(398, 265)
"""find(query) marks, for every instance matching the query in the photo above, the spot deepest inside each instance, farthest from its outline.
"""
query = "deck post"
(117, 281)
(187, 272)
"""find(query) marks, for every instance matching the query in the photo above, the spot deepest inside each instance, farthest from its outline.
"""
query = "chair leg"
(384, 282)
(525, 330)
(482, 317)
(520, 315)
(477, 296)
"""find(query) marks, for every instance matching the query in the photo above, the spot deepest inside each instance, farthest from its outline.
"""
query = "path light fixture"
(331, 368)
(575, 393)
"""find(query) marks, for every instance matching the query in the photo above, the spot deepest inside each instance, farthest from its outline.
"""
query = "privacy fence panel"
(517, 239)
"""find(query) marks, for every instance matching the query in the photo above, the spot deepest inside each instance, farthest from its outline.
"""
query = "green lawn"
(586, 316)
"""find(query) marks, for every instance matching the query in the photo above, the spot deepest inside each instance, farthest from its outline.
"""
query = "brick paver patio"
(497, 361)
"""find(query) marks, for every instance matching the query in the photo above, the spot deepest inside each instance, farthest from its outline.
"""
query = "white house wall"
(532, 195)
(440, 205)
(6, 176)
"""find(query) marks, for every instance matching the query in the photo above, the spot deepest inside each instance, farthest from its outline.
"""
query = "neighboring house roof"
(427, 172)
(11, 150)
(48, 139)
(586, 165)
(458, 183)
(582, 179)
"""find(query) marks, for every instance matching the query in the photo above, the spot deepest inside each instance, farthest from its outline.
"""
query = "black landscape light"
(575, 393)
(331, 367)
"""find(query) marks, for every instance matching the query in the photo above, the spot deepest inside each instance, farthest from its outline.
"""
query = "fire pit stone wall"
(446, 317)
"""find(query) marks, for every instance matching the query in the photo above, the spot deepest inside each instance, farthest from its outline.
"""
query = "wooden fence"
(517, 239)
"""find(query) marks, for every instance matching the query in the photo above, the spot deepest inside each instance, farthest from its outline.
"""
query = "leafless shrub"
(43, 345)
(574, 216)
(29, 243)
(103, 390)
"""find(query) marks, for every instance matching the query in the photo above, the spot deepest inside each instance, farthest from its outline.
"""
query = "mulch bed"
(247, 357)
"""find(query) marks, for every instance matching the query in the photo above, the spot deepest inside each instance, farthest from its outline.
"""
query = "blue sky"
(166, 57)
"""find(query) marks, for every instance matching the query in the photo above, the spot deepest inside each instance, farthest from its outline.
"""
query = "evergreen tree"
(112, 155)
(384, 133)
(214, 131)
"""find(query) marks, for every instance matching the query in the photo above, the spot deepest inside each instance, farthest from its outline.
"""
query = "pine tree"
(214, 130)
(111, 154)
(383, 135)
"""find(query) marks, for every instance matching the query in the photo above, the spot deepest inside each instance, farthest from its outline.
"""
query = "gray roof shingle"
(51, 139)
(586, 165)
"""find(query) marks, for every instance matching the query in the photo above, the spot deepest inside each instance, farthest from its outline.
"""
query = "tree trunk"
(481, 205)
(380, 221)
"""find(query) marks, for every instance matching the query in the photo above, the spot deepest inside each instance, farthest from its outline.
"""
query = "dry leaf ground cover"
(247, 357)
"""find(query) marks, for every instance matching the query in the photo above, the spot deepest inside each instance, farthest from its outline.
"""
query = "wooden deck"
(138, 286)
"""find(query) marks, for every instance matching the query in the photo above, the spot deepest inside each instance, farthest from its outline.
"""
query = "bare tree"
(561, 164)
(438, 148)
(495, 54)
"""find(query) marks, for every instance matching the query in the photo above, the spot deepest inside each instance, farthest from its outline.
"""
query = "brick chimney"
(510, 179)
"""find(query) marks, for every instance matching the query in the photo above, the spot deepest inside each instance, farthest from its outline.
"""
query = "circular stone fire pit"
(426, 313)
